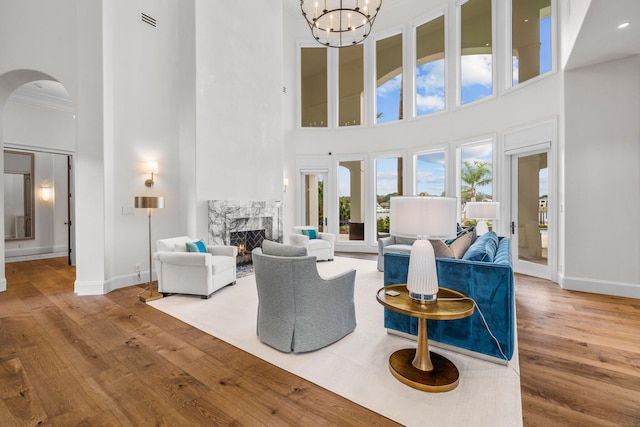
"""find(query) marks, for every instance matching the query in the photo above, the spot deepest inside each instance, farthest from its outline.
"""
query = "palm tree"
(476, 175)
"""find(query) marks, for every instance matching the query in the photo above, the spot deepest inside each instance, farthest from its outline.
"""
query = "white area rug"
(488, 394)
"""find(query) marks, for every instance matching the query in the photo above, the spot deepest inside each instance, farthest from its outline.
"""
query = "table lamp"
(424, 218)
(149, 202)
(482, 211)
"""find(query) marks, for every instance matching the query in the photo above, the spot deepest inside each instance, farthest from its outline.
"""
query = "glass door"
(531, 230)
(314, 202)
(351, 200)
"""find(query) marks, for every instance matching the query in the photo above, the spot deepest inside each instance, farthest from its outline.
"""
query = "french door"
(314, 203)
(532, 228)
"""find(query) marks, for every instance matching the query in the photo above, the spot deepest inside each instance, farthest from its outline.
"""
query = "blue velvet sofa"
(489, 283)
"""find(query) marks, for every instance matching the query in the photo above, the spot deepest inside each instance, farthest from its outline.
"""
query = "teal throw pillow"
(198, 246)
(311, 233)
(483, 249)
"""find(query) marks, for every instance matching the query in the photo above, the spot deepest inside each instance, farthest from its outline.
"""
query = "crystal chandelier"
(340, 23)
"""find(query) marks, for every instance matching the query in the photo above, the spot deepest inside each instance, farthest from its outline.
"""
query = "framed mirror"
(18, 196)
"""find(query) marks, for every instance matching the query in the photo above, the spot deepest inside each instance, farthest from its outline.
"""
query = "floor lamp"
(150, 203)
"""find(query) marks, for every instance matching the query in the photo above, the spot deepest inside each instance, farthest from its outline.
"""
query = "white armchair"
(321, 247)
(196, 273)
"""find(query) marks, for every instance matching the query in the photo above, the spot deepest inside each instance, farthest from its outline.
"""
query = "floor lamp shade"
(423, 218)
(482, 211)
(150, 203)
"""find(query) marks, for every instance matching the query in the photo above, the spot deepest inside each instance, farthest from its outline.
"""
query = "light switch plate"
(127, 210)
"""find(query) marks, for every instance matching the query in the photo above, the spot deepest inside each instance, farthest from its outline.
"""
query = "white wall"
(30, 125)
(602, 178)
(239, 145)
(143, 126)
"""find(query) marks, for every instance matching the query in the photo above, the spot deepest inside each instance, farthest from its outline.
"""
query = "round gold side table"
(419, 368)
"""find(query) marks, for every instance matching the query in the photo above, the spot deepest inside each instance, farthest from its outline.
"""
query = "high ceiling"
(599, 40)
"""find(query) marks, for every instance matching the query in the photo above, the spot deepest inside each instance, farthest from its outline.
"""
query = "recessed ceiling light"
(624, 25)
(526, 20)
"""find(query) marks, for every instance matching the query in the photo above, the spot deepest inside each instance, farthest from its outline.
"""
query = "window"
(351, 85)
(313, 82)
(430, 60)
(476, 61)
(351, 199)
(430, 174)
(389, 183)
(389, 79)
(530, 39)
(476, 173)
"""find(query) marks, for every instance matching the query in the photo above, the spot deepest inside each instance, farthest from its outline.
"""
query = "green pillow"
(311, 233)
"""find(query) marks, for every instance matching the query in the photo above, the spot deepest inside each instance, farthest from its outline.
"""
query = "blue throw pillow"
(198, 246)
(311, 233)
(483, 249)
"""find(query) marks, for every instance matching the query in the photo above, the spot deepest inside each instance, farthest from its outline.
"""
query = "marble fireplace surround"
(226, 216)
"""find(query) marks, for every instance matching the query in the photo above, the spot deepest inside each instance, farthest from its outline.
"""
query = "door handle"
(513, 227)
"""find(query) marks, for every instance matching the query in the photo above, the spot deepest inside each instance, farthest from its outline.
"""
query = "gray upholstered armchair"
(298, 310)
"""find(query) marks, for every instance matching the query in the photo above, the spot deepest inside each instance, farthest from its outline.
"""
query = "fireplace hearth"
(246, 241)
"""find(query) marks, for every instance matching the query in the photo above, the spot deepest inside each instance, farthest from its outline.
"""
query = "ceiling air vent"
(148, 20)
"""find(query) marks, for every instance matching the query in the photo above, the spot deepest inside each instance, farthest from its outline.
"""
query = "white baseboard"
(104, 287)
(606, 287)
(22, 254)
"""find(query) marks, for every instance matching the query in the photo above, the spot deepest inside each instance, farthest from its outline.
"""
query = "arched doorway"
(39, 119)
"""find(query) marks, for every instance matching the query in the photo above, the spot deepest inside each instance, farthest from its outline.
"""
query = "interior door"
(314, 200)
(532, 231)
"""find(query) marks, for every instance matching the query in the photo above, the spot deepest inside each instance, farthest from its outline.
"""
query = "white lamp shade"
(431, 217)
(483, 210)
(152, 167)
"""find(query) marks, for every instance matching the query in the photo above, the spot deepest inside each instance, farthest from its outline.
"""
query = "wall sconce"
(45, 193)
(152, 168)
(285, 182)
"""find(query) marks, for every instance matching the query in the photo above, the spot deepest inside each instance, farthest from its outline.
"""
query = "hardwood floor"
(112, 360)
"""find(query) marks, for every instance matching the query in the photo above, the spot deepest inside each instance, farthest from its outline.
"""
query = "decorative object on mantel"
(340, 23)
(424, 218)
(150, 203)
(482, 211)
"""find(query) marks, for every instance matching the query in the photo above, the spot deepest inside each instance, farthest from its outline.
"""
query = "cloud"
(390, 86)
(430, 87)
(480, 153)
(430, 75)
(430, 103)
(476, 70)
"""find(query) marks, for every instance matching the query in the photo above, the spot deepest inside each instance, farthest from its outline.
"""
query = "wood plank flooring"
(112, 360)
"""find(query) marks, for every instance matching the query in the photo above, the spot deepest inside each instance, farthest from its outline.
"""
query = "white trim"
(604, 287)
(3, 284)
(11, 145)
(89, 288)
(104, 287)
